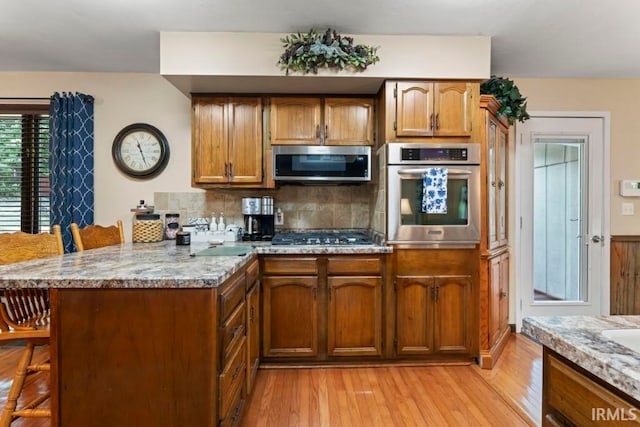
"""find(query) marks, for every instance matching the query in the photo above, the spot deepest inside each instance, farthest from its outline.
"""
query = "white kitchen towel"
(434, 191)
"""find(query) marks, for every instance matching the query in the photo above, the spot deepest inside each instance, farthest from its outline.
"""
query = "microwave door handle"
(421, 171)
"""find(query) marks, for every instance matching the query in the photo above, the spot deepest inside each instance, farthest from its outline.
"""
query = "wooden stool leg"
(16, 385)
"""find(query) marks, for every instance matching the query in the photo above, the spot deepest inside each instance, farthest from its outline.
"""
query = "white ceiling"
(530, 38)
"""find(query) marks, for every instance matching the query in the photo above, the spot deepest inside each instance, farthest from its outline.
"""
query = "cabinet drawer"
(574, 396)
(233, 377)
(232, 333)
(290, 265)
(252, 273)
(231, 295)
(232, 418)
(348, 265)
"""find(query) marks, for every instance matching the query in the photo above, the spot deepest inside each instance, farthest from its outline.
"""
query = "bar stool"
(24, 316)
(96, 236)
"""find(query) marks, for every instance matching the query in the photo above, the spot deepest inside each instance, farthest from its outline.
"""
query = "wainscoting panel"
(625, 274)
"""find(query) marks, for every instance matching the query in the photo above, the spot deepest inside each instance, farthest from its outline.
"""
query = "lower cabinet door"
(290, 316)
(355, 316)
(452, 316)
(414, 315)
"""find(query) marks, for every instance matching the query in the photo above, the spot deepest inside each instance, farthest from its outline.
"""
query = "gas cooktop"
(322, 238)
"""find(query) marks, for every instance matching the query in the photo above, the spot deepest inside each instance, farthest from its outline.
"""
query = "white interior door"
(562, 240)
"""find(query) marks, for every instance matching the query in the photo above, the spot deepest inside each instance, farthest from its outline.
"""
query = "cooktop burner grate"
(322, 238)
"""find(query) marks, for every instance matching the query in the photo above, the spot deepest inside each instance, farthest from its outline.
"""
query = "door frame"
(517, 273)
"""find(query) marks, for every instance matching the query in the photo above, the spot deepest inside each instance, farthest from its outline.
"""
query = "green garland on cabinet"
(513, 104)
(306, 52)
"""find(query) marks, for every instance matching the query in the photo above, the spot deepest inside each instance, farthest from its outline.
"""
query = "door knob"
(597, 239)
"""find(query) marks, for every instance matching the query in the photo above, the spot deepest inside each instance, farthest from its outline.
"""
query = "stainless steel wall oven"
(412, 218)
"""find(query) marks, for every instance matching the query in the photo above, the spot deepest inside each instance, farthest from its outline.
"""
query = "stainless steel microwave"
(321, 163)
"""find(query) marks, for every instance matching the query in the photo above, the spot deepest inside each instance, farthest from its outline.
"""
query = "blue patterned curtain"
(71, 161)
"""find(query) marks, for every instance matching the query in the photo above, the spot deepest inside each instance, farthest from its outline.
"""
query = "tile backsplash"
(303, 207)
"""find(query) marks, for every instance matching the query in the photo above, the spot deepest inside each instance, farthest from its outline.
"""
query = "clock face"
(140, 150)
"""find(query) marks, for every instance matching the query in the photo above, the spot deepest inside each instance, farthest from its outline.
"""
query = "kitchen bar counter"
(588, 378)
(579, 339)
(151, 265)
(153, 331)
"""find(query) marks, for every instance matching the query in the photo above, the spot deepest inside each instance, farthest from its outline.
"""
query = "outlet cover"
(627, 208)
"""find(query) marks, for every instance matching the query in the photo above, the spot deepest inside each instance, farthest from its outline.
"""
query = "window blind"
(24, 169)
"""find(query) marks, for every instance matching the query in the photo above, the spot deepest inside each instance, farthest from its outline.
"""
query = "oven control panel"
(430, 154)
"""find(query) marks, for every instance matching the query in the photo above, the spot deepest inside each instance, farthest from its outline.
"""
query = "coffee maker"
(258, 218)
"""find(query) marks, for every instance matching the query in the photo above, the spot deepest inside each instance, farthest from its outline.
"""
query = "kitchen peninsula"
(588, 378)
(149, 332)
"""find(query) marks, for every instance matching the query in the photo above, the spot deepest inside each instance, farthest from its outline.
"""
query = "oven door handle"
(421, 171)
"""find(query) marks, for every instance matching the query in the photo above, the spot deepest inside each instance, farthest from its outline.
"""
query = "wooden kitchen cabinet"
(428, 109)
(355, 316)
(321, 121)
(227, 141)
(187, 369)
(290, 316)
(253, 323)
(322, 308)
(495, 137)
(433, 315)
(573, 396)
(435, 303)
(494, 259)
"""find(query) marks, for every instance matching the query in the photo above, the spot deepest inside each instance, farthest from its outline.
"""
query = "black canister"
(183, 238)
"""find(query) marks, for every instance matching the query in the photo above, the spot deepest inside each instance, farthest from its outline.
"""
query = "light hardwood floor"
(508, 395)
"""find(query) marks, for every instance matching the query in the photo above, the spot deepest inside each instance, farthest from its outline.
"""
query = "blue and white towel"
(434, 191)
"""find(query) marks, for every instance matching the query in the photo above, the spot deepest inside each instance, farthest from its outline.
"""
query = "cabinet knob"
(503, 294)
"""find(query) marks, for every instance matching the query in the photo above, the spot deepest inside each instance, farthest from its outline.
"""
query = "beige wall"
(621, 98)
(121, 99)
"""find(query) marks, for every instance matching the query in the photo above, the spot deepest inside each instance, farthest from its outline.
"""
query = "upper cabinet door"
(348, 121)
(226, 140)
(210, 135)
(430, 109)
(245, 140)
(414, 109)
(295, 121)
(452, 109)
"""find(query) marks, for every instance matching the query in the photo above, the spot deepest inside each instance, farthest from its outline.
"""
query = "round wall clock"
(140, 150)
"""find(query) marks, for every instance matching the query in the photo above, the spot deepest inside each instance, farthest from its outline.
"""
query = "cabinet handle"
(236, 372)
(251, 319)
(437, 292)
(326, 133)
(236, 330)
(437, 120)
(318, 131)
(236, 415)
(433, 121)
(230, 169)
(503, 294)
(314, 292)
(501, 184)
(226, 169)
(493, 184)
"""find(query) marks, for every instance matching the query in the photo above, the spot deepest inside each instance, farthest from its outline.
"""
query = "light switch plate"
(627, 208)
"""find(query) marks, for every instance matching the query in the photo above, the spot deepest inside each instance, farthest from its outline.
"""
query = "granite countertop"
(580, 339)
(150, 265)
